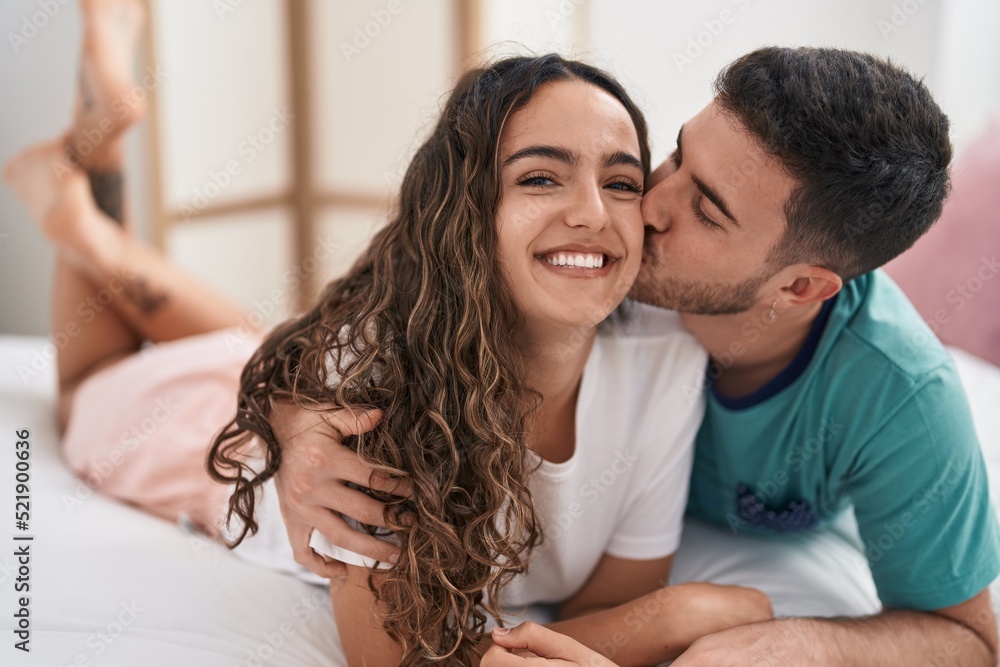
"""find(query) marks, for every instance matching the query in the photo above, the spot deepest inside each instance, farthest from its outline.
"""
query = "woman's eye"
(536, 181)
(626, 185)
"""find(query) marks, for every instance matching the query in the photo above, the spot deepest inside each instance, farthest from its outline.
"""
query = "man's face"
(713, 213)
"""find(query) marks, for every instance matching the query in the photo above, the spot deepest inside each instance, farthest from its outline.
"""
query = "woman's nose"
(588, 210)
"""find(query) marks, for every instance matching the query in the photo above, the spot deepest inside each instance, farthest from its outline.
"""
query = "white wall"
(967, 69)
(225, 136)
(37, 83)
(535, 26)
(376, 98)
(224, 80)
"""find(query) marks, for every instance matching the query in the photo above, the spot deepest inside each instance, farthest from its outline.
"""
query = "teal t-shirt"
(872, 414)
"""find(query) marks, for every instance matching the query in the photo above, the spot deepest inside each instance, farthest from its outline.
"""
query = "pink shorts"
(140, 430)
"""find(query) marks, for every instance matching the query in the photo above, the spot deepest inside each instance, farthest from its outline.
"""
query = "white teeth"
(588, 261)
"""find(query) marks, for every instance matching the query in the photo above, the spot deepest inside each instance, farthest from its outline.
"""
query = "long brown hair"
(423, 327)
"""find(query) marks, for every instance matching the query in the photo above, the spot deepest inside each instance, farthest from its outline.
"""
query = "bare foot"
(59, 201)
(35, 175)
(105, 105)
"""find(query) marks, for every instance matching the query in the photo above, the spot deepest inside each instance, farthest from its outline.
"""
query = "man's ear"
(811, 284)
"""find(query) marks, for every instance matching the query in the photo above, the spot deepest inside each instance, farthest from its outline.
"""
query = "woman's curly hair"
(424, 327)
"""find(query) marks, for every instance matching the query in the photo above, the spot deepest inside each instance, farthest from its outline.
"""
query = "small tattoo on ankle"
(143, 297)
(107, 187)
(86, 96)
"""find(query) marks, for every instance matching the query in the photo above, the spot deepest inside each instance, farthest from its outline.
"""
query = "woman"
(471, 321)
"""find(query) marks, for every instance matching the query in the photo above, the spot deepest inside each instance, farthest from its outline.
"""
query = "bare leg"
(105, 105)
(97, 335)
(156, 300)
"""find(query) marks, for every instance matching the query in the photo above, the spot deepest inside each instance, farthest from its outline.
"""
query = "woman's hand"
(312, 484)
(530, 644)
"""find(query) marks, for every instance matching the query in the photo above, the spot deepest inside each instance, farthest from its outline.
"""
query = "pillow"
(951, 273)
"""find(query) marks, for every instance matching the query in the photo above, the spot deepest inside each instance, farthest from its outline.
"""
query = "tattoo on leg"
(143, 297)
(86, 96)
(107, 188)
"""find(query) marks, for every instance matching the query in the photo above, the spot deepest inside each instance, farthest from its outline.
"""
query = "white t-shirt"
(624, 489)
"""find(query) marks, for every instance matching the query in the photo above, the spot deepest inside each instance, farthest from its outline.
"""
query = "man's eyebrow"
(705, 189)
(554, 152)
(623, 158)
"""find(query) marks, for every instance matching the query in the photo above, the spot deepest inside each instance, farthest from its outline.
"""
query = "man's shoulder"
(882, 386)
(881, 364)
(876, 332)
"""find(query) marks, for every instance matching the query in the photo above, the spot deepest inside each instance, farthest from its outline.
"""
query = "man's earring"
(771, 316)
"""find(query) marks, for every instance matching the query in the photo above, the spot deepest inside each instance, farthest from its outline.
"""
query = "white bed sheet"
(111, 586)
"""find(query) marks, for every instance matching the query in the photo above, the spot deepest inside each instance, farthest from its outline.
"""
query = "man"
(809, 170)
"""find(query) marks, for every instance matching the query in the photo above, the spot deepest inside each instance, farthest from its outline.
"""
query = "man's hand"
(760, 644)
(964, 634)
(533, 645)
(312, 484)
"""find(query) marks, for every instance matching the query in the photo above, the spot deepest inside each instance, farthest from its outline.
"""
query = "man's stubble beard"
(692, 297)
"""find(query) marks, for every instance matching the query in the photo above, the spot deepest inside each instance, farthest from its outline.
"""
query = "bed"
(111, 586)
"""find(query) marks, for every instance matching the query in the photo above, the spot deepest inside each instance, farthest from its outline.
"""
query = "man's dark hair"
(865, 140)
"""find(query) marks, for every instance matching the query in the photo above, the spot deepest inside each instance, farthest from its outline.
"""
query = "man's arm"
(964, 635)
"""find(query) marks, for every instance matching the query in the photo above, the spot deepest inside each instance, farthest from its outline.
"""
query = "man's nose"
(655, 207)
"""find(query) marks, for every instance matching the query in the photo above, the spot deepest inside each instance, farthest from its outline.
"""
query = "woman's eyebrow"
(553, 152)
(569, 157)
(623, 158)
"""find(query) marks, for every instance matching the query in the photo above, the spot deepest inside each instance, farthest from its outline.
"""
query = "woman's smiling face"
(569, 223)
